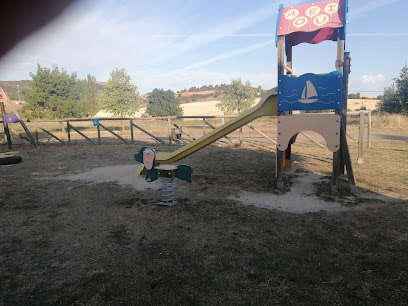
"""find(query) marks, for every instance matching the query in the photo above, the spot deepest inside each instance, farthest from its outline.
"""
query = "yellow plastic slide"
(266, 107)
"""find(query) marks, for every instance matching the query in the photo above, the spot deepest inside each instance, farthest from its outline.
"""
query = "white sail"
(311, 90)
(308, 94)
(304, 93)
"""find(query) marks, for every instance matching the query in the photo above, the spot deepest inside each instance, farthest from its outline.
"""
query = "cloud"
(139, 36)
(369, 84)
(191, 75)
(368, 6)
(229, 27)
(216, 35)
(228, 55)
(181, 79)
(375, 80)
(376, 34)
(162, 44)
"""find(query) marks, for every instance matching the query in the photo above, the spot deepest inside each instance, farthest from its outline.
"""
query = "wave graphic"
(318, 101)
(331, 102)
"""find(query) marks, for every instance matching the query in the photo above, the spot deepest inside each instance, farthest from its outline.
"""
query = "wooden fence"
(173, 130)
(170, 130)
(364, 120)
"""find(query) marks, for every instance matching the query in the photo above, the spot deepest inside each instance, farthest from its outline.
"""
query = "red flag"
(314, 22)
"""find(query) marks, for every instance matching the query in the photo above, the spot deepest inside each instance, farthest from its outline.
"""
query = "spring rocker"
(309, 23)
(166, 172)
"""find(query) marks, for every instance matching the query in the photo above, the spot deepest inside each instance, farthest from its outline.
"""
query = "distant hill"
(200, 96)
(207, 93)
(11, 88)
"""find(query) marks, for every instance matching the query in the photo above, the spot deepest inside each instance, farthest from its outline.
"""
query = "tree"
(402, 88)
(390, 102)
(163, 103)
(120, 96)
(395, 98)
(354, 96)
(90, 96)
(53, 93)
(238, 97)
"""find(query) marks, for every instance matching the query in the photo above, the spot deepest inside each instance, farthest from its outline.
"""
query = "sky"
(177, 44)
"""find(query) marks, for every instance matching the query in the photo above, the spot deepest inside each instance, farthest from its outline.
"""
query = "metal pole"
(279, 154)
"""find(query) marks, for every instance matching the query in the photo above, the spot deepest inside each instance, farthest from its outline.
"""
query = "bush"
(395, 99)
(163, 103)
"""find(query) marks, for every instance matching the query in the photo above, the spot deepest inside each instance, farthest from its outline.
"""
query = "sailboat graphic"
(309, 94)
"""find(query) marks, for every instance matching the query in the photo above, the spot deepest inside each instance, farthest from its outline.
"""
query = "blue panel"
(95, 122)
(310, 92)
(344, 32)
(277, 24)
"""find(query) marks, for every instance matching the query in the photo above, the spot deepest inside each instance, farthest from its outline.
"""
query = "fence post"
(204, 126)
(68, 132)
(361, 138)
(131, 131)
(62, 127)
(99, 134)
(169, 128)
(369, 129)
(37, 139)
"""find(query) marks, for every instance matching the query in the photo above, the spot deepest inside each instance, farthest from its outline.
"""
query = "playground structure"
(10, 157)
(308, 23)
(13, 118)
(313, 23)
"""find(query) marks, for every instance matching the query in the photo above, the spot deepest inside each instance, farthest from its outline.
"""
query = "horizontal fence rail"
(169, 130)
(163, 130)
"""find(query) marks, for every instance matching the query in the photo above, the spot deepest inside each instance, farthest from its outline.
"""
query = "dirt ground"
(78, 228)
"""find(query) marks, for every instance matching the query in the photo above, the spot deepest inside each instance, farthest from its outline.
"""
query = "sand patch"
(299, 200)
(123, 175)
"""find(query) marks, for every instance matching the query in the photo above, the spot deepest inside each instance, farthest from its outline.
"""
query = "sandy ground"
(356, 104)
(207, 108)
(302, 198)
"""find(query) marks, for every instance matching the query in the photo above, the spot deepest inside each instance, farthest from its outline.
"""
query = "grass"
(99, 243)
(384, 120)
(383, 170)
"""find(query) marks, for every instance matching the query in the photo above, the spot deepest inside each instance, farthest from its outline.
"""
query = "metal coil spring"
(167, 190)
